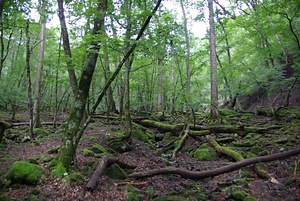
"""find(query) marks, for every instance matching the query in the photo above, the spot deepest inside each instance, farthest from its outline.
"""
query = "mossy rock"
(206, 154)
(24, 173)
(115, 172)
(133, 194)
(239, 195)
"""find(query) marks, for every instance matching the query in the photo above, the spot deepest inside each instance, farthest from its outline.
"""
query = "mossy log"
(205, 130)
(103, 164)
(221, 170)
(238, 157)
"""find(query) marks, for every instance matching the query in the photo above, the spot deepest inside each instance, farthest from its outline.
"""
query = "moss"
(250, 155)
(239, 195)
(246, 143)
(167, 136)
(77, 178)
(228, 112)
(41, 132)
(282, 140)
(53, 150)
(120, 146)
(133, 194)
(45, 159)
(60, 170)
(205, 154)
(169, 198)
(6, 159)
(259, 151)
(98, 149)
(24, 173)
(87, 152)
(53, 163)
(115, 172)
(250, 198)
(5, 198)
(34, 195)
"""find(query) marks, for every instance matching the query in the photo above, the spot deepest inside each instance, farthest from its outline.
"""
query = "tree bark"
(221, 170)
(38, 85)
(66, 46)
(73, 130)
(29, 90)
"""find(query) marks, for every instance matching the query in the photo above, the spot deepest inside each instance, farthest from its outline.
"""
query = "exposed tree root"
(185, 135)
(103, 164)
(205, 130)
(238, 157)
(211, 173)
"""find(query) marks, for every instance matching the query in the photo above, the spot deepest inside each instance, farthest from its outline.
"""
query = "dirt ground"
(221, 187)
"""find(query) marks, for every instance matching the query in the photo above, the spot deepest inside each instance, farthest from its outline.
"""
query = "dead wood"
(238, 157)
(221, 170)
(103, 164)
(27, 123)
(204, 130)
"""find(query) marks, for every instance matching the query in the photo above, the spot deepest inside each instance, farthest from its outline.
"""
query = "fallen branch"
(211, 173)
(103, 164)
(27, 123)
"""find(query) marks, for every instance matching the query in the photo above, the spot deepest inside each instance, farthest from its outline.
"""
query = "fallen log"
(221, 170)
(103, 164)
(43, 123)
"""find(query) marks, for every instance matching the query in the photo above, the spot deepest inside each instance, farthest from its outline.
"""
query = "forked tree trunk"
(72, 132)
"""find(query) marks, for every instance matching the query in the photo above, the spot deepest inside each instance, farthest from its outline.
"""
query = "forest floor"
(242, 184)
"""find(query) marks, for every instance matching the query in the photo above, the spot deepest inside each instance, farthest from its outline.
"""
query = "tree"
(66, 46)
(213, 63)
(38, 86)
(72, 133)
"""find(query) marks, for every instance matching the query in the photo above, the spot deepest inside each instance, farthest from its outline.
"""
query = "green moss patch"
(205, 154)
(24, 173)
(133, 194)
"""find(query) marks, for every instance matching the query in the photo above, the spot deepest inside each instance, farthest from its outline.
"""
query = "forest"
(137, 100)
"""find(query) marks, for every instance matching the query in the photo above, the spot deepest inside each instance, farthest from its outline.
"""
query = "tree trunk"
(37, 97)
(29, 92)
(66, 45)
(73, 130)
(213, 63)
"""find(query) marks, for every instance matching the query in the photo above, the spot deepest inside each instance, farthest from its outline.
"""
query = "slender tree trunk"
(72, 132)
(187, 56)
(160, 101)
(38, 86)
(30, 102)
(213, 63)
(128, 63)
(66, 45)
